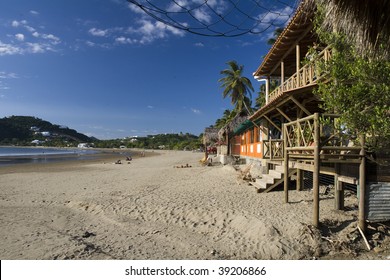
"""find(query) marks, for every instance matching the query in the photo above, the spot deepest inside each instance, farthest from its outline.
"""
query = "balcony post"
(285, 175)
(267, 81)
(316, 172)
(362, 184)
(298, 60)
(282, 75)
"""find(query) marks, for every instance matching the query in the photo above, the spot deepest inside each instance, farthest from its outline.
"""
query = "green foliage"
(160, 141)
(237, 87)
(277, 33)
(358, 88)
(16, 130)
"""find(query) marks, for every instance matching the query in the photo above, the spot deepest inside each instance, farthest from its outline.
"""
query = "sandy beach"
(153, 208)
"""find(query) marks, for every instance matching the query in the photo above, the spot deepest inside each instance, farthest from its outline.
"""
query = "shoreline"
(59, 161)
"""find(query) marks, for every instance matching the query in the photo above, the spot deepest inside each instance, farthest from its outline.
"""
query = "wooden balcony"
(323, 132)
(308, 75)
(273, 149)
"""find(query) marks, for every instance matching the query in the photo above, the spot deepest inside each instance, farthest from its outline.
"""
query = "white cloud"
(16, 23)
(276, 17)
(135, 9)
(5, 75)
(199, 44)
(202, 15)
(36, 43)
(34, 12)
(150, 31)
(8, 49)
(90, 44)
(19, 37)
(270, 20)
(36, 48)
(98, 32)
(150, 107)
(196, 111)
(125, 40)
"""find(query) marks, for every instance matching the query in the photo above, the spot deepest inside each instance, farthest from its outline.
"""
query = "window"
(252, 135)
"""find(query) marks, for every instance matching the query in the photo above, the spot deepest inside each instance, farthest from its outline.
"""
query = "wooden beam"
(362, 185)
(282, 74)
(299, 180)
(298, 60)
(283, 114)
(285, 175)
(307, 30)
(271, 122)
(316, 172)
(300, 105)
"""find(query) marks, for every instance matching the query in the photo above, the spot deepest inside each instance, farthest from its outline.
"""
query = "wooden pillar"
(299, 179)
(339, 196)
(338, 190)
(267, 82)
(282, 74)
(285, 164)
(316, 172)
(298, 60)
(362, 184)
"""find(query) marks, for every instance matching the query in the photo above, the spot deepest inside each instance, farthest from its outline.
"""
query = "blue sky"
(107, 70)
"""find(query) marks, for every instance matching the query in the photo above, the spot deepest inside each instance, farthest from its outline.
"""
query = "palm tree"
(237, 87)
(277, 32)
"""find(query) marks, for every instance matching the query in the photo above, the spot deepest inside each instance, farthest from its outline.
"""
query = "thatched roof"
(232, 125)
(365, 22)
(210, 134)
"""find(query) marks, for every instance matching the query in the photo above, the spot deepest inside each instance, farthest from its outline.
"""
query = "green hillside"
(22, 130)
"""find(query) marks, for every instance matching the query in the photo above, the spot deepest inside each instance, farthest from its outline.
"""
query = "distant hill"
(25, 129)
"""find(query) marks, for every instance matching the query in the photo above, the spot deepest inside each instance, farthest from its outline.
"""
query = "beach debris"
(364, 238)
(88, 234)
(183, 166)
(245, 173)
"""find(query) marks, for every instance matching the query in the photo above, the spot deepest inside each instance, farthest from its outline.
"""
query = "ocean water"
(17, 155)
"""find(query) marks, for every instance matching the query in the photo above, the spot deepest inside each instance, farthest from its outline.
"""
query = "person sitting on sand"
(118, 161)
(129, 158)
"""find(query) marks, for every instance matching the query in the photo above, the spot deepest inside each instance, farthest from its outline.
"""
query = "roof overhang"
(298, 31)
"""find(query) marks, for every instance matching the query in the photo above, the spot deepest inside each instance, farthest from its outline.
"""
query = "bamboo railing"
(307, 75)
(303, 136)
(273, 149)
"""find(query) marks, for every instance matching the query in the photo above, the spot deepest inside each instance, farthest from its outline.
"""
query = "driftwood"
(365, 239)
(245, 173)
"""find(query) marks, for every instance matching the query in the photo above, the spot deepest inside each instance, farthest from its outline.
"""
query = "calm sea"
(17, 155)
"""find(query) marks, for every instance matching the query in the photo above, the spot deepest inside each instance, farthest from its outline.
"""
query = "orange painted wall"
(251, 146)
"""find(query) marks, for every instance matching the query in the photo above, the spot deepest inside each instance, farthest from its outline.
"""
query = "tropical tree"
(228, 115)
(237, 87)
(277, 32)
(358, 87)
(260, 100)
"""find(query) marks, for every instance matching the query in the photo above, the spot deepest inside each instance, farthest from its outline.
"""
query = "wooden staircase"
(274, 178)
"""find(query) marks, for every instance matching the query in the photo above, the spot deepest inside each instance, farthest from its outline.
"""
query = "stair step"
(260, 185)
(267, 178)
(279, 168)
(275, 174)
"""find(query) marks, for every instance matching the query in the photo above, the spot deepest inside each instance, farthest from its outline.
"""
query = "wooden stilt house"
(297, 138)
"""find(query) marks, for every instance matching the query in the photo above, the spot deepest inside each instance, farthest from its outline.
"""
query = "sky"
(108, 70)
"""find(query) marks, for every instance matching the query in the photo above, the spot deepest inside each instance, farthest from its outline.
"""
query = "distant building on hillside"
(83, 145)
